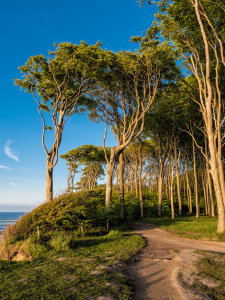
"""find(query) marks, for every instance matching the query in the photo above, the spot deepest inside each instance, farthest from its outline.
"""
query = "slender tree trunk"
(49, 181)
(109, 176)
(149, 178)
(136, 177)
(171, 189)
(212, 208)
(68, 182)
(121, 186)
(184, 188)
(109, 185)
(196, 181)
(150, 183)
(160, 185)
(178, 182)
(214, 150)
(167, 182)
(205, 193)
(188, 189)
(157, 179)
(140, 182)
(218, 192)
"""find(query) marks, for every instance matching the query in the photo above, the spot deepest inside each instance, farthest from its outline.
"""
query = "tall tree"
(58, 84)
(196, 27)
(130, 89)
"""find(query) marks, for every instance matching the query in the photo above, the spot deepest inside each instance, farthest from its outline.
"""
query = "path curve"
(154, 271)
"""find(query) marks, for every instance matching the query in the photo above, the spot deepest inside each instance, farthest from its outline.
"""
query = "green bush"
(67, 212)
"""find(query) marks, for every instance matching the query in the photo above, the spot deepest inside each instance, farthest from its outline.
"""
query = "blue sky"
(30, 28)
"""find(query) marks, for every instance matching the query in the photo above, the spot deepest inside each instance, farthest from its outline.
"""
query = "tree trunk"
(160, 185)
(178, 183)
(188, 189)
(217, 188)
(171, 189)
(49, 181)
(109, 176)
(214, 146)
(140, 182)
(136, 177)
(196, 181)
(205, 194)
(121, 186)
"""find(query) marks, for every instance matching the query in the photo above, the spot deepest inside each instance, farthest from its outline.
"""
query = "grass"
(73, 276)
(209, 280)
(189, 227)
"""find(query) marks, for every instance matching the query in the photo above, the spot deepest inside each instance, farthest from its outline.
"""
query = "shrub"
(65, 213)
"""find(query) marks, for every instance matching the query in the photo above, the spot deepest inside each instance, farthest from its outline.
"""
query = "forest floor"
(166, 268)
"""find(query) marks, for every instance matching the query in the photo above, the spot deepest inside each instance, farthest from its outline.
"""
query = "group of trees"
(168, 117)
(91, 160)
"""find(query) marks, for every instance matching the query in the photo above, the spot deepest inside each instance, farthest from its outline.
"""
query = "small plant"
(115, 234)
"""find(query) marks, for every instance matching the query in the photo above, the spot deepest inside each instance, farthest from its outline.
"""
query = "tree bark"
(140, 182)
(121, 186)
(136, 177)
(49, 181)
(160, 184)
(109, 176)
(171, 189)
(178, 182)
(196, 180)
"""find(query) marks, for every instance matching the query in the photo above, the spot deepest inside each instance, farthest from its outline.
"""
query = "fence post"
(82, 227)
(107, 225)
(38, 231)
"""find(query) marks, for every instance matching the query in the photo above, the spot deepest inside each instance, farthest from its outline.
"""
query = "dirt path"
(154, 271)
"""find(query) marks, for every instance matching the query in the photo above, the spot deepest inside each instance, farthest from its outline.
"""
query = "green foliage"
(65, 211)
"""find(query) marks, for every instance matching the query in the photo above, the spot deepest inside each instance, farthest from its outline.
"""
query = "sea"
(9, 216)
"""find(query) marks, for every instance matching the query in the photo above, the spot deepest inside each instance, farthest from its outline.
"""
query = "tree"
(196, 27)
(73, 165)
(92, 158)
(129, 90)
(59, 85)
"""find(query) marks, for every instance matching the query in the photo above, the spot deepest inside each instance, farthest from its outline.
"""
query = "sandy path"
(154, 271)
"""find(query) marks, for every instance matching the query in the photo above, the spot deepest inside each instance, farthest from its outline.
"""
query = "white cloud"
(4, 167)
(12, 183)
(9, 152)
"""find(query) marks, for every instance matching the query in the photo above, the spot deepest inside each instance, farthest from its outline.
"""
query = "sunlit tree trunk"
(140, 182)
(171, 188)
(121, 186)
(178, 182)
(49, 182)
(195, 180)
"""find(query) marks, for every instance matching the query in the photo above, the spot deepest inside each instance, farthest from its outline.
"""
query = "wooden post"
(38, 231)
(82, 227)
(107, 225)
